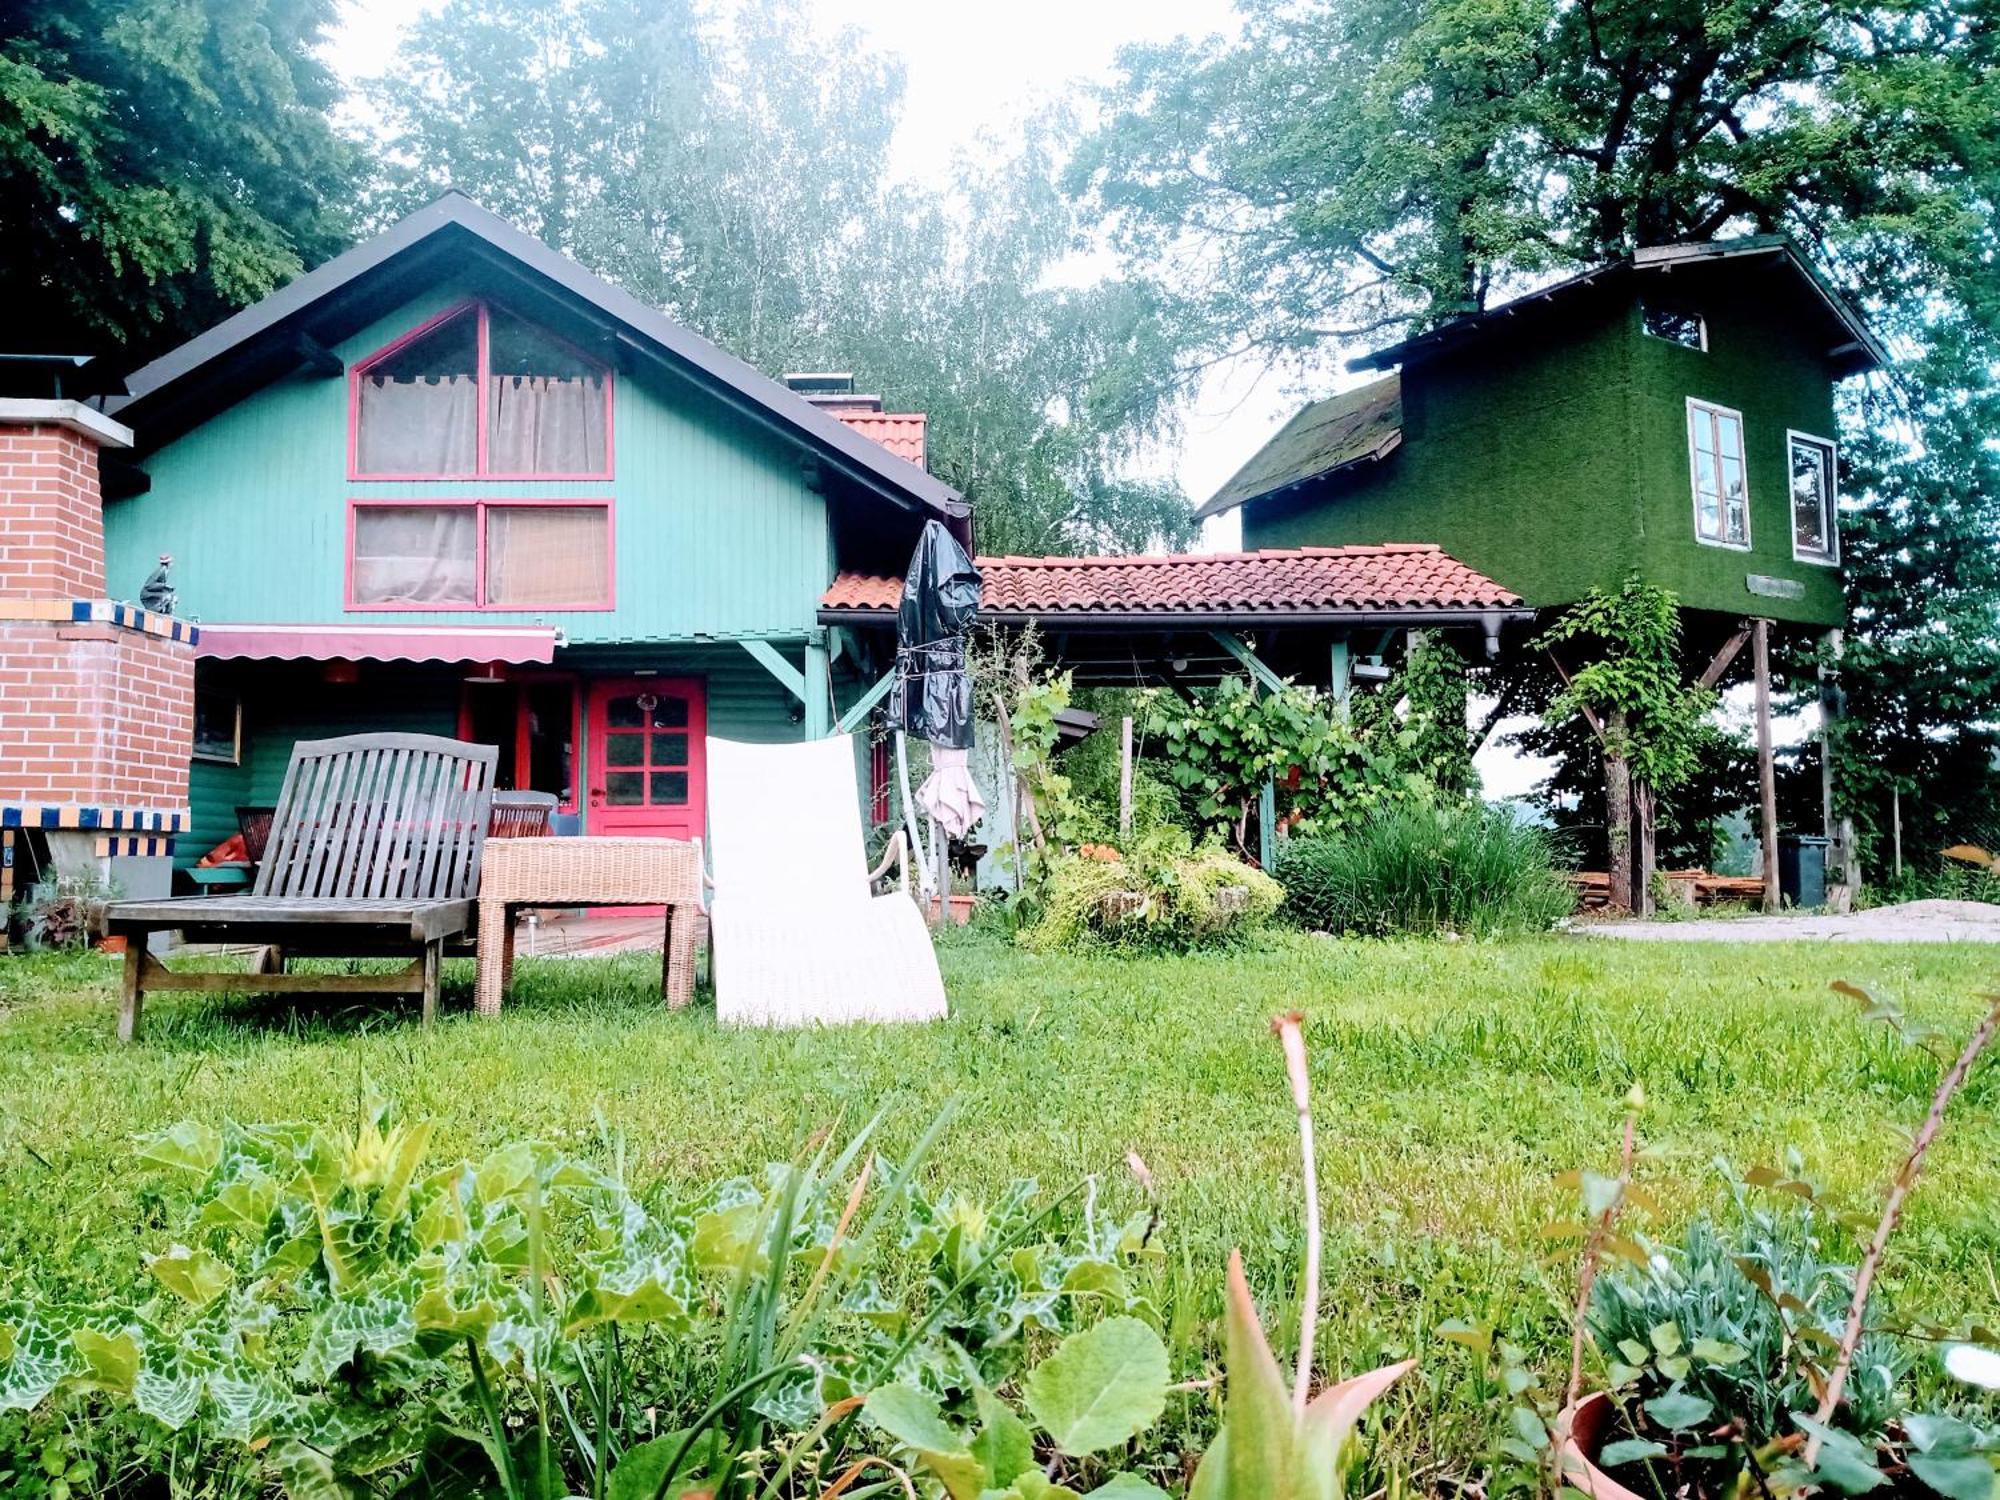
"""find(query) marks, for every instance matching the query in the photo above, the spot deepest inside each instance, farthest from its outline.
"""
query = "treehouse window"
(1687, 329)
(1814, 537)
(1715, 457)
(479, 393)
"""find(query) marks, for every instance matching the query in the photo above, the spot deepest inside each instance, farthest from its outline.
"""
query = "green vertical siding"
(717, 529)
(1555, 459)
(288, 702)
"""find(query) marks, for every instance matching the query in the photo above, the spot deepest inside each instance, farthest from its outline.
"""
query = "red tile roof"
(902, 433)
(1304, 580)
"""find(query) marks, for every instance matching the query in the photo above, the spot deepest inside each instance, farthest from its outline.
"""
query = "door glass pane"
(671, 714)
(489, 715)
(670, 749)
(415, 554)
(624, 750)
(625, 788)
(622, 713)
(551, 710)
(669, 787)
(417, 410)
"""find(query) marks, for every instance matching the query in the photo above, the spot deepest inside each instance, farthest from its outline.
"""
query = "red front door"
(648, 757)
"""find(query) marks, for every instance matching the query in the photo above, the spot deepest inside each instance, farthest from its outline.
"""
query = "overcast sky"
(969, 67)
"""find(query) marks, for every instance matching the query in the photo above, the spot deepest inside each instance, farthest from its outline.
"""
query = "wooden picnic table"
(522, 872)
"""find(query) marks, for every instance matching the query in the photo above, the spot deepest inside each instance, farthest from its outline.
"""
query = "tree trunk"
(1618, 809)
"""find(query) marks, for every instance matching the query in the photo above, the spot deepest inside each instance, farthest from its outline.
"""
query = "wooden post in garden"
(1125, 779)
(1767, 771)
(1896, 825)
(1843, 862)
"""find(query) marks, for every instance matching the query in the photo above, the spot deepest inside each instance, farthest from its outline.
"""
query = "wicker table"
(588, 872)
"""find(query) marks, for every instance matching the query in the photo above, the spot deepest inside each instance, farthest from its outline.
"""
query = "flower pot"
(1586, 1426)
(114, 944)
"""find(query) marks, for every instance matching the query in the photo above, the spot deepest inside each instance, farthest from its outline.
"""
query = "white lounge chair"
(798, 936)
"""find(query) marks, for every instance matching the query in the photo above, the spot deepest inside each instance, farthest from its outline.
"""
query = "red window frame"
(519, 682)
(484, 376)
(480, 505)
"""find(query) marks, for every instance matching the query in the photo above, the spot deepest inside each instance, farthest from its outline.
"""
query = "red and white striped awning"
(517, 645)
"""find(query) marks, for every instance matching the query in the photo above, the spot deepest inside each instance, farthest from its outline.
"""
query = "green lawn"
(1452, 1083)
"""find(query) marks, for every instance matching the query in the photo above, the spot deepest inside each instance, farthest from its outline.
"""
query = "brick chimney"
(903, 433)
(96, 696)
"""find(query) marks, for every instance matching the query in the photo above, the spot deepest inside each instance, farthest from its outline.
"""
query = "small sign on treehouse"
(1774, 588)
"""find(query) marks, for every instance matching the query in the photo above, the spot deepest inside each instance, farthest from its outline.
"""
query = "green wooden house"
(450, 482)
(1670, 414)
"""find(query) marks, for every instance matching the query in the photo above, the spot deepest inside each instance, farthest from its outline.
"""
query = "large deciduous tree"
(735, 173)
(1347, 170)
(162, 162)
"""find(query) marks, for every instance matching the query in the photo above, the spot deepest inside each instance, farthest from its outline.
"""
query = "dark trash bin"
(1802, 869)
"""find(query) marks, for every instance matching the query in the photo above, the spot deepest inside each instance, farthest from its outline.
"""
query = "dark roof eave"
(1102, 619)
(1662, 257)
(754, 391)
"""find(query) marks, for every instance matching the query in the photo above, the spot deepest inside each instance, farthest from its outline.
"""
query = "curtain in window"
(548, 555)
(546, 424)
(421, 554)
(419, 426)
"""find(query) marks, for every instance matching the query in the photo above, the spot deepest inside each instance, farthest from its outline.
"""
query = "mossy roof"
(1360, 426)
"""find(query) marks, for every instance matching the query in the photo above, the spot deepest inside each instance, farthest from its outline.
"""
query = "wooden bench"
(374, 853)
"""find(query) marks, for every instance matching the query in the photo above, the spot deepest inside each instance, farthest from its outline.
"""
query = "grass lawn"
(1452, 1083)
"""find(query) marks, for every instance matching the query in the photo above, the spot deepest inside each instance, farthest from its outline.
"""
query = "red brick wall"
(94, 714)
(51, 515)
(90, 714)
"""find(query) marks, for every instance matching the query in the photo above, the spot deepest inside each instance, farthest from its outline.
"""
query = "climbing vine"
(1434, 684)
(1632, 686)
(1221, 745)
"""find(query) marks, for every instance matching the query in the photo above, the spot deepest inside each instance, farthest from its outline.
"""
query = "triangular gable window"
(478, 393)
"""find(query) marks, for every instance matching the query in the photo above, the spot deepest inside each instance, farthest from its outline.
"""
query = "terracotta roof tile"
(1304, 580)
(902, 433)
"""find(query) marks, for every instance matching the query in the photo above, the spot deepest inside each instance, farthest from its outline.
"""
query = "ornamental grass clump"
(1463, 868)
(1161, 895)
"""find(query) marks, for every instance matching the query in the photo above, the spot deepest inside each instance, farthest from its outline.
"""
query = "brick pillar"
(51, 510)
(96, 696)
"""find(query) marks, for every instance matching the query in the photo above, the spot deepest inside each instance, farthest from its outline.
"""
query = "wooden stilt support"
(1767, 771)
(131, 992)
(433, 957)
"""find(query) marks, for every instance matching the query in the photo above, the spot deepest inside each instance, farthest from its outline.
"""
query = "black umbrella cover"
(932, 698)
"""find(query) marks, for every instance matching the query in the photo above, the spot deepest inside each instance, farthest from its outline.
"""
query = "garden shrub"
(1162, 895)
(1456, 867)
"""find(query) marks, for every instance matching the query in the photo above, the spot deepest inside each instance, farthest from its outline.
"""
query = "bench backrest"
(393, 816)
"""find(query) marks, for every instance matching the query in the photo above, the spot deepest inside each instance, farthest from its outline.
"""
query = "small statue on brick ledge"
(157, 594)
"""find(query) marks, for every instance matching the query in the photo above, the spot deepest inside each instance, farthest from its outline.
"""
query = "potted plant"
(1751, 1363)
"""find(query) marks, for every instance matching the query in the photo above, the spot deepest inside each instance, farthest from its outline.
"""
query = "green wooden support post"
(1267, 825)
(818, 694)
(1260, 674)
(857, 715)
(768, 656)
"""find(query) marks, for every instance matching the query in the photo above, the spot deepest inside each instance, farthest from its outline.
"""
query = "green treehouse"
(1670, 415)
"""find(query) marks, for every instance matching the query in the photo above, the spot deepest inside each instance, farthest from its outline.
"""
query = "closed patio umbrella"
(932, 698)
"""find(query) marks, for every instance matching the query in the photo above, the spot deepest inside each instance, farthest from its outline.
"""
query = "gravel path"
(1912, 922)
